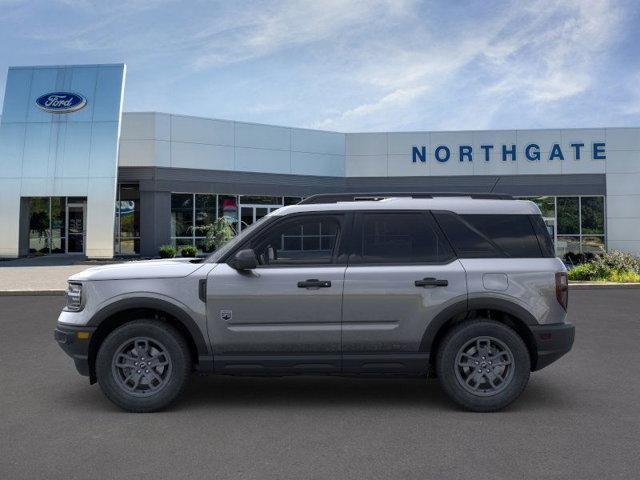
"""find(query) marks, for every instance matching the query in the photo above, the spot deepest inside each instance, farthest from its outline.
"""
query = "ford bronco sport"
(463, 287)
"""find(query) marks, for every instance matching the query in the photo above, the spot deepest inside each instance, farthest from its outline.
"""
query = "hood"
(171, 268)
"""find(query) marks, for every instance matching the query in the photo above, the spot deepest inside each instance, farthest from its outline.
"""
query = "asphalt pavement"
(578, 418)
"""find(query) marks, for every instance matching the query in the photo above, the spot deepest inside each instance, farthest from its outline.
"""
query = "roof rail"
(368, 196)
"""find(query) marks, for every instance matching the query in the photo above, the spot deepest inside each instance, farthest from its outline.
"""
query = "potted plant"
(217, 233)
(167, 251)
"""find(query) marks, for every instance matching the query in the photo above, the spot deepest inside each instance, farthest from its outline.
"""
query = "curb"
(601, 285)
(23, 293)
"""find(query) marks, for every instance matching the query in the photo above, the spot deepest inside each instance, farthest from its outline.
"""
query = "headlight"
(74, 297)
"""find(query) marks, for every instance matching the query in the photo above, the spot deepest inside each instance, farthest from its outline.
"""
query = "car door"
(285, 314)
(402, 272)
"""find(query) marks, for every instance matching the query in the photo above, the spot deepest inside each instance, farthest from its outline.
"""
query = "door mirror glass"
(244, 260)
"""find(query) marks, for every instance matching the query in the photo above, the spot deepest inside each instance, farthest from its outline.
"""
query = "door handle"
(431, 282)
(314, 283)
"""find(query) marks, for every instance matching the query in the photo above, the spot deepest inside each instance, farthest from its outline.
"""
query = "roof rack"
(368, 196)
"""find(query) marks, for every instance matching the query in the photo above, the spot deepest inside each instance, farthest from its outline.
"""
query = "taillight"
(562, 289)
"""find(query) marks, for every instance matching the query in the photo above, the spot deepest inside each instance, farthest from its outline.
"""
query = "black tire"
(480, 394)
(124, 385)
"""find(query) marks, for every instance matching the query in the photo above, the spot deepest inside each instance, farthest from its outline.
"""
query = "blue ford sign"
(61, 102)
(532, 152)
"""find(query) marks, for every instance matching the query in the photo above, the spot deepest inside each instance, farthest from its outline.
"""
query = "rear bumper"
(552, 342)
(75, 343)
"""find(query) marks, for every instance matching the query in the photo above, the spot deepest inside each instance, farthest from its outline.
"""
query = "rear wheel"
(483, 365)
(143, 365)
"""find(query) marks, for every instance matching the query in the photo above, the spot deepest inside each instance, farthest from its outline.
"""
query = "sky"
(349, 65)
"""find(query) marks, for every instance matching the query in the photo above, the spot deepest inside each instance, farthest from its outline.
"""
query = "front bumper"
(552, 342)
(75, 343)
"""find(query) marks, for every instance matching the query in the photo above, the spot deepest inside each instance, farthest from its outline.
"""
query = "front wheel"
(483, 365)
(143, 366)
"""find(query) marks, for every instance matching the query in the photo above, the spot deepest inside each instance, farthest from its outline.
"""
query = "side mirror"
(244, 260)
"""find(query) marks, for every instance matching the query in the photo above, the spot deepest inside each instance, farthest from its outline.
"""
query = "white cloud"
(348, 64)
(534, 54)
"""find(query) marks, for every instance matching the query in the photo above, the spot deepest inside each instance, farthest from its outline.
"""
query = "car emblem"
(226, 315)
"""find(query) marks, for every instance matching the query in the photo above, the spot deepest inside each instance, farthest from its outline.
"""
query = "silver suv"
(463, 287)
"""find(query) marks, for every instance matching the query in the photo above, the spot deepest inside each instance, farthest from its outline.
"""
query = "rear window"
(486, 236)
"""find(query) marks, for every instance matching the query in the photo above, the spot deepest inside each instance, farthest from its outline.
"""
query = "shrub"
(614, 266)
(617, 260)
(167, 251)
(188, 251)
(581, 272)
(578, 258)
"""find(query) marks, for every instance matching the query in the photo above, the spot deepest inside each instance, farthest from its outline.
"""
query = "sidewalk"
(41, 275)
(48, 275)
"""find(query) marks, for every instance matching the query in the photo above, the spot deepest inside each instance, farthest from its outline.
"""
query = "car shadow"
(312, 392)
(221, 392)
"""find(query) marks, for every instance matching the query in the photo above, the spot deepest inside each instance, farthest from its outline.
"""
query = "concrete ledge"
(574, 285)
(9, 293)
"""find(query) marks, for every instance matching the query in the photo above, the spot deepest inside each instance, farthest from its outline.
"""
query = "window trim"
(355, 252)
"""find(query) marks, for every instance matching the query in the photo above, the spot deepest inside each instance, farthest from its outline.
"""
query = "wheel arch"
(126, 310)
(503, 311)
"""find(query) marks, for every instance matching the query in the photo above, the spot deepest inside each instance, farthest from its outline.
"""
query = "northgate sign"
(531, 152)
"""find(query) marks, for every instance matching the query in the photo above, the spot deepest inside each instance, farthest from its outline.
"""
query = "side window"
(306, 240)
(399, 238)
(513, 234)
(490, 236)
(466, 241)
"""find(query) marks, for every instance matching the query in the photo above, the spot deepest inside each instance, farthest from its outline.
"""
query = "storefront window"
(568, 215)
(580, 222)
(58, 224)
(182, 215)
(260, 200)
(228, 208)
(592, 215)
(39, 225)
(593, 244)
(49, 227)
(566, 244)
(205, 210)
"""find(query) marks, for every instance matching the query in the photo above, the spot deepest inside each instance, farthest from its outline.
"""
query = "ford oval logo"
(61, 102)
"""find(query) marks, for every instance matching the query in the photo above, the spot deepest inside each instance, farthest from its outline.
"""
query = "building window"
(127, 220)
(576, 224)
(192, 210)
(40, 225)
(56, 225)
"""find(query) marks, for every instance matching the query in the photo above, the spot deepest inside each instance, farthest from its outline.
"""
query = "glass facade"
(57, 225)
(576, 224)
(192, 210)
(127, 220)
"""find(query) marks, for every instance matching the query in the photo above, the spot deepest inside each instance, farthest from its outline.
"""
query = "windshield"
(235, 241)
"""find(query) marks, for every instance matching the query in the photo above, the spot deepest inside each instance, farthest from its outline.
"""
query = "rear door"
(401, 274)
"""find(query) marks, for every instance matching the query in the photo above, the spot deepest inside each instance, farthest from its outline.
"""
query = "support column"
(155, 221)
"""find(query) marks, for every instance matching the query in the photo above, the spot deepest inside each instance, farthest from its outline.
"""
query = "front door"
(401, 274)
(285, 314)
(75, 227)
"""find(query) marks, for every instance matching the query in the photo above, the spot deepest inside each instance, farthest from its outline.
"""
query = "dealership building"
(80, 176)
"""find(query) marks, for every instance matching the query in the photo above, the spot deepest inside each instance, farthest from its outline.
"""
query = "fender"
(464, 307)
(203, 351)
